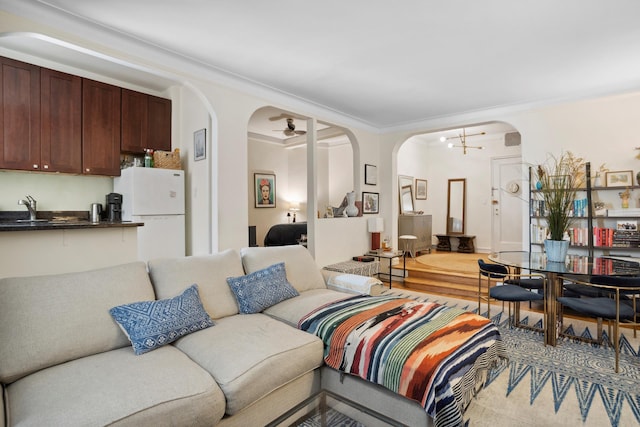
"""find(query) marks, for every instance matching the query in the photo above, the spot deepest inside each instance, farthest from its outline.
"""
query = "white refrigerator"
(154, 197)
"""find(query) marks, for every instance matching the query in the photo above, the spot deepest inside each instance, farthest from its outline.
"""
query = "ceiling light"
(463, 141)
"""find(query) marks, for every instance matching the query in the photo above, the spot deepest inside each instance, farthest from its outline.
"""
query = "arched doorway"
(426, 157)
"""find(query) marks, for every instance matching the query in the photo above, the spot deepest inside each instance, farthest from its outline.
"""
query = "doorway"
(509, 200)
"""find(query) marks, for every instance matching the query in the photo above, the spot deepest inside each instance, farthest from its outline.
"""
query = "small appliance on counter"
(114, 207)
(95, 213)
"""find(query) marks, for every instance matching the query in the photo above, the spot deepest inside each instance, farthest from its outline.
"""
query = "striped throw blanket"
(431, 353)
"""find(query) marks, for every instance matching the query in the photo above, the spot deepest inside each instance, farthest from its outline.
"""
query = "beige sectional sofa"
(65, 361)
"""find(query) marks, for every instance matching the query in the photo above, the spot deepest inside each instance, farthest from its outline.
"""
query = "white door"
(509, 201)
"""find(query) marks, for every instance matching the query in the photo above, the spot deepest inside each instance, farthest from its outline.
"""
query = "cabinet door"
(61, 122)
(20, 115)
(146, 122)
(100, 128)
(134, 122)
(159, 123)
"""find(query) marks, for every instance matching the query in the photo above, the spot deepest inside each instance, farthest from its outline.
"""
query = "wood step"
(445, 282)
(452, 287)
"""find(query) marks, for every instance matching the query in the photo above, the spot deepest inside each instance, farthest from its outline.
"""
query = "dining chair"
(508, 287)
(613, 299)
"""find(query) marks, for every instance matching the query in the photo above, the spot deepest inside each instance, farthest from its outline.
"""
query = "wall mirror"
(456, 197)
(405, 189)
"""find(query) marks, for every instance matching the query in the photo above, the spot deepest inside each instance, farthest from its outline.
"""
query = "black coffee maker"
(114, 207)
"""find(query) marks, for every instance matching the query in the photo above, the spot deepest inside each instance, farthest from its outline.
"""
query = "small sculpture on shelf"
(624, 196)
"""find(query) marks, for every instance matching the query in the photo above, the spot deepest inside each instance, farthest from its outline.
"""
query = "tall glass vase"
(556, 250)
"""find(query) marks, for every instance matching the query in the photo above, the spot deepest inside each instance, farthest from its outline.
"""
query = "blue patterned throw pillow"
(152, 324)
(261, 289)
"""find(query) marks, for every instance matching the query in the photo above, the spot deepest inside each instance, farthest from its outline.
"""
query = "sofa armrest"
(352, 283)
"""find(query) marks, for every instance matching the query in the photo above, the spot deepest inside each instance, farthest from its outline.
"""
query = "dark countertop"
(55, 220)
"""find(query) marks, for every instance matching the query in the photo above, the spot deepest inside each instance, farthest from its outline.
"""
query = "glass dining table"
(579, 266)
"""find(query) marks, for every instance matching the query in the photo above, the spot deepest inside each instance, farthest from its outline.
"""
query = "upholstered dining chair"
(512, 290)
(618, 305)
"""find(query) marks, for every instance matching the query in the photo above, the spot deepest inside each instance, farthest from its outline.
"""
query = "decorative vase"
(538, 185)
(556, 250)
(351, 209)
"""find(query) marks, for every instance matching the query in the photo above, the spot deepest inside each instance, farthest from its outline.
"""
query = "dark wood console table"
(465, 243)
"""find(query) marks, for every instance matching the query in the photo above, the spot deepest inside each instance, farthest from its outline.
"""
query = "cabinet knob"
(35, 166)
(87, 170)
(45, 166)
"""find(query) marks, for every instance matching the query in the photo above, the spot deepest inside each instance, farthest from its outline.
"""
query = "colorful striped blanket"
(431, 353)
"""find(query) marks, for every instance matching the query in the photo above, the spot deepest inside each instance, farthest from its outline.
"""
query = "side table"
(390, 256)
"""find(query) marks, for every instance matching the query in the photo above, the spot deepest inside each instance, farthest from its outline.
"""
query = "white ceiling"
(384, 64)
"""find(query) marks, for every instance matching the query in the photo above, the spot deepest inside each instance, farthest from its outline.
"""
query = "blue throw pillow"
(261, 289)
(152, 324)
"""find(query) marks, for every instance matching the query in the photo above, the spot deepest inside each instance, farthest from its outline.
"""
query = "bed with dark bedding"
(285, 234)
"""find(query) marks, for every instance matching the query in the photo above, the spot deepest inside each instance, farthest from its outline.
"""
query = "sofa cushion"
(171, 275)
(261, 289)
(47, 320)
(292, 310)
(162, 387)
(251, 355)
(152, 324)
(302, 271)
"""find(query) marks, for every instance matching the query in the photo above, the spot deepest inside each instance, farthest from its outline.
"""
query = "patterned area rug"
(571, 384)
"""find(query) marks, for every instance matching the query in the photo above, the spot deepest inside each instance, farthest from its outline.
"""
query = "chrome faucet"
(30, 203)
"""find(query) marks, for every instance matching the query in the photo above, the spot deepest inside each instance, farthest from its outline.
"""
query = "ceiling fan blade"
(280, 117)
(300, 132)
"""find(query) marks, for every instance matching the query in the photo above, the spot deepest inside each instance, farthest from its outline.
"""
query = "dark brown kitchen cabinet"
(146, 122)
(20, 115)
(61, 122)
(100, 128)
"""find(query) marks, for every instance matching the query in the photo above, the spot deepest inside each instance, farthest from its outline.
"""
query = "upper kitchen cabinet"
(146, 122)
(100, 128)
(20, 115)
(61, 122)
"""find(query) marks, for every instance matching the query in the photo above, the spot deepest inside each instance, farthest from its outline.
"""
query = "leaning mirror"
(456, 196)
(405, 189)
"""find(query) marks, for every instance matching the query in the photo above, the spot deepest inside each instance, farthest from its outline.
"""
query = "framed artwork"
(370, 174)
(200, 144)
(619, 179)
(370, 202)
(421, 189)
(265, 190)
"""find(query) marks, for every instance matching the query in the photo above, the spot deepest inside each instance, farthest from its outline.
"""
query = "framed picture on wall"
(619, 178)
(370, 202)
(421, 189)
(200, 145)
(265, 189)
(370, 174)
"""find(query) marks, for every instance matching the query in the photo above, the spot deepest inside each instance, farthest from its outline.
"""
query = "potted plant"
(560, 179)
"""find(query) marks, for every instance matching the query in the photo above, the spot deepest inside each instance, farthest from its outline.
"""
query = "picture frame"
(370, 174)
(370, 202)
(264, 185)
(421, 189)
(200, 145)
(619, 179)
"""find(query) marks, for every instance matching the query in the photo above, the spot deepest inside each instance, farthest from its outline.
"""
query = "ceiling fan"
(290, 130)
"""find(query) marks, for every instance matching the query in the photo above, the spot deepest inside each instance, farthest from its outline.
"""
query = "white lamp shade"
(375, 225)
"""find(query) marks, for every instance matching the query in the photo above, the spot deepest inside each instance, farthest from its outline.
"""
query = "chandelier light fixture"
(463, 141)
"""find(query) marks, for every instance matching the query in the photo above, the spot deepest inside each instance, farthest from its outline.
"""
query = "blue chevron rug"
(572, 384)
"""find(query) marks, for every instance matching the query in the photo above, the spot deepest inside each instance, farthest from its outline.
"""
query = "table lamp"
(294, 207)
(375, 226)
